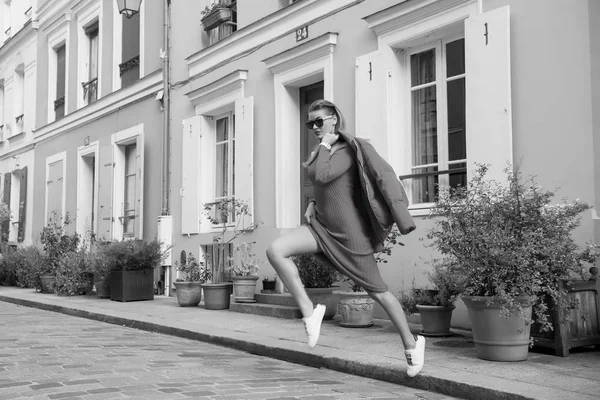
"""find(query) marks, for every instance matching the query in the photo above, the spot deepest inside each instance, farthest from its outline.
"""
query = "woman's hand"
(330, 138)
(310, 212)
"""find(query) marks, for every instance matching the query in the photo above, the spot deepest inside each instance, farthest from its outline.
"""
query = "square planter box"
(131, 285)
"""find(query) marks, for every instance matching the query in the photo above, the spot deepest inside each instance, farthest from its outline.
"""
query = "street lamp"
(129, 7)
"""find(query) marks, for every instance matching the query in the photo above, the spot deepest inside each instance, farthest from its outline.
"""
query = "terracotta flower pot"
(498, 338)
(435, 320)
(244, 288)
(189, 294)
(47, 283)
(217, 296)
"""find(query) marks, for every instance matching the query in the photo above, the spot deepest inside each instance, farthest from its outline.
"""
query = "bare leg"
(394, 310)
(298, 241)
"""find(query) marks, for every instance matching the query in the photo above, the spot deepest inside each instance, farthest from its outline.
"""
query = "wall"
(594, 21)
(101, 130)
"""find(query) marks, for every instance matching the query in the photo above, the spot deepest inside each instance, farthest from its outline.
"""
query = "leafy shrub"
(315, 272)
(244, 261)
(57, 242)
(507, 239)
(132, 255)
(194, 270)
(73, 273)
(27, 262)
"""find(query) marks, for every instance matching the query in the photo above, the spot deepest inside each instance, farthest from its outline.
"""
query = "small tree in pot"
(509, 247)
(189, 288)
(56, 242)
(244, 269)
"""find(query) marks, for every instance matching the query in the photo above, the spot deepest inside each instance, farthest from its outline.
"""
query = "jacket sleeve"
(332, 166)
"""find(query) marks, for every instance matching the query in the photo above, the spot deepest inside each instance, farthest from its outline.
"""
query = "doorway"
(308, 141)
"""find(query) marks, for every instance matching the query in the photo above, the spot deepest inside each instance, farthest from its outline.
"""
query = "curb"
(372, 371)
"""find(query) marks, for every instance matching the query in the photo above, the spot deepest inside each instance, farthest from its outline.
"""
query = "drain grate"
(455, 343)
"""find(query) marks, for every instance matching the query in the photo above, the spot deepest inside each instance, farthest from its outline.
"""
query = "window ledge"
(420, 210)
(16, 136)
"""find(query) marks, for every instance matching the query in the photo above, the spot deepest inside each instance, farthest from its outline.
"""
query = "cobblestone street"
(46, 355)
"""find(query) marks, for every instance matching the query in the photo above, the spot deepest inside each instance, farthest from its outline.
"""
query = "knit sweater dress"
(340, 226)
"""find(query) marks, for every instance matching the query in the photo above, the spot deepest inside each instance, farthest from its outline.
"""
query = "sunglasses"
(317, 121)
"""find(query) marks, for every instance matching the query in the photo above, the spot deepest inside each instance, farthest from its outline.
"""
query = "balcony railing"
(59, 107)
(90, 90)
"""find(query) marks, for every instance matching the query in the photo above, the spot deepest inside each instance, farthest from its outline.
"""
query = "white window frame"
(441, 82)
(86, 151)
(398, 33)
(118, 43)
(119, 140)
(85, 18)
(15, 198)
(300, 66)
(230, 160)
(56, 38)
(62, 156)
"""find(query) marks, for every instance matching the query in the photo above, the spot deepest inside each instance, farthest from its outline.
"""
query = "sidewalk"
(451, 366)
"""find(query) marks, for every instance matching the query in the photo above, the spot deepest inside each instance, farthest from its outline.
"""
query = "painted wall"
(594, 21)
(101, 130)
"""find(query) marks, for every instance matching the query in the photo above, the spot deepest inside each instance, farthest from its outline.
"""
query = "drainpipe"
(167, 112)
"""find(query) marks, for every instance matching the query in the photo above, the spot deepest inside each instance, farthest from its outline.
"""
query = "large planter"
(217, 296)
(435, 320)
(47, 283)
(131, 285)
(102, 287)
(189, 294)
(499, 338)
(268, 285)
(244, 288)
(355, 309)
(326, 297)
(215, 18)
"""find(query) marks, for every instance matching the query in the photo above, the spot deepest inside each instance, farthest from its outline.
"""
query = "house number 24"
(301, 33)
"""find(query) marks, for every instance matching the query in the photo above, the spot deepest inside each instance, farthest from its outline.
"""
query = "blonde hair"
(340, 125)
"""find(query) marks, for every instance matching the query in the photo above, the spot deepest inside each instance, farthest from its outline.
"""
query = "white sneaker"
(312, 325)
(415, 358)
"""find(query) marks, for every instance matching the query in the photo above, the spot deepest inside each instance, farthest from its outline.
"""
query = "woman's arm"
(332, 166)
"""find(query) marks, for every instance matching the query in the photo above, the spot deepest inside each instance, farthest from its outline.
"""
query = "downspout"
(167, 113)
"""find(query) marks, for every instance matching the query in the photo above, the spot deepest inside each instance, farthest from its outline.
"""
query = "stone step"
(281, 299)
(268, 310)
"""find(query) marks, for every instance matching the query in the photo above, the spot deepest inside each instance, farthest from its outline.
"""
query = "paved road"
(46, 355)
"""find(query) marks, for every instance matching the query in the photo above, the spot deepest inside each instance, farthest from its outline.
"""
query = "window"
(55, 188)
(129, 68)
(59, 102)
(437, 118)
(226, 28)
(224, 164)
(128, 183)
(87, 188)
(19, 98)
(130, 198)
(2, 111)
(18, 203)
(90, 88)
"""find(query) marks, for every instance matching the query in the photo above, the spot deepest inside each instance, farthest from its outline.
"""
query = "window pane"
(455, 58)
(424, 189)
(130, 159)
(424, 126)
(422, 67)
(233, 168)
(222, 170)
(131, 37)
(60, 71)
(458, 178)
(222, 129)
(457, 146)
(93, 37)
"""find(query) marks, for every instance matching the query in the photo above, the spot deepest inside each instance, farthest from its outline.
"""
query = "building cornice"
(408, 12)
(218, 88)
(51, 13)
(17, 150)
(25, 33)
(146, 87)
(266, 30)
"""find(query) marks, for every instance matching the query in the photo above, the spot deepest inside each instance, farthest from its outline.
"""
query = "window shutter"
(54, 191)
(244, 154)
(489, 119)
(190, 176)
(372, 100)
(6, 199)
(139, 189)
(105, 191)
(206, 186)
(22, 204)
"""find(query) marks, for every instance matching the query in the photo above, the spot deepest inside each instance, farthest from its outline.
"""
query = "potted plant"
(56, 242)
(189, 288)
(73, 274)
(215, 14)
(132, 264)
(101, 269)
(230, 215)
(355, 307)
(508, 248)
(244, 267)
(318, 276)
(269, 284)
